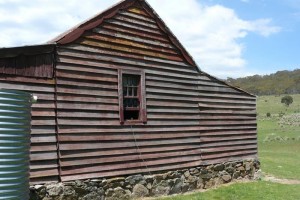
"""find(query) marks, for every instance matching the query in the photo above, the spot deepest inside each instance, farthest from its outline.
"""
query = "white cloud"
(212, 34)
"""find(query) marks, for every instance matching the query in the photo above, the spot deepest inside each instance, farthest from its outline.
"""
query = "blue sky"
(227, 38)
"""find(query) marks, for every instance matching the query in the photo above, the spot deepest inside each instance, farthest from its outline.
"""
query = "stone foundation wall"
(138, 186)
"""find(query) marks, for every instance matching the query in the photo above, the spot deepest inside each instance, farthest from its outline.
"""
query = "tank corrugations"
(15, 118)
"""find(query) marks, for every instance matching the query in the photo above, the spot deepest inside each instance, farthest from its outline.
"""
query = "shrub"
(268, 114)
(287, 100)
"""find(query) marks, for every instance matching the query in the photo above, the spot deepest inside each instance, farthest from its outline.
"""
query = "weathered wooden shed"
(119, 95)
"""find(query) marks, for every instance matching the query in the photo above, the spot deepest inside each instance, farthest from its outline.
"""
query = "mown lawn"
(260, 190)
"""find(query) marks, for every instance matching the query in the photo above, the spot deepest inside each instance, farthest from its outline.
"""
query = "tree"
(287, 100)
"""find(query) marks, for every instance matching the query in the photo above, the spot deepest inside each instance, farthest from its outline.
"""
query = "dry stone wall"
(154, 185)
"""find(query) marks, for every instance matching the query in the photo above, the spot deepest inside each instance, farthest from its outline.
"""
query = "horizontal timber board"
(106, 145)
(128, 129)
(86, 106)
(129, 170)
(123, 137)
(129, 49)
(123, 151)
(129, 43)
(130, 165)
(86, 91)
(117, 34)
(231, 143)
(133, 32)
(126, 158)
(86, 99)
(224, 149)
(227, 154)
(155, 62)
(85, 76)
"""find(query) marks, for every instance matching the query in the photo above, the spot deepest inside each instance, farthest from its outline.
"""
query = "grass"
(280, 158)
(246, 191)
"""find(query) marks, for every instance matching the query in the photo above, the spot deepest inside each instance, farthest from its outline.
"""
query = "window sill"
(133, 122)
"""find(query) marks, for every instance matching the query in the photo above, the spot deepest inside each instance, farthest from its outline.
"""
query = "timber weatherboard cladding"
(227, 122)
(87, 69)
(192, 118)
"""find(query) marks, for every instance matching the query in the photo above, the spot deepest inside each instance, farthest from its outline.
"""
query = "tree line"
(281, 82)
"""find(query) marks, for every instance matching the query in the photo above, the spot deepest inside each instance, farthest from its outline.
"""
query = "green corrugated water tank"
(15, 118)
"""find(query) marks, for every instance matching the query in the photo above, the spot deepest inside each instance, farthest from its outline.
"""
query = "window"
(132, 100)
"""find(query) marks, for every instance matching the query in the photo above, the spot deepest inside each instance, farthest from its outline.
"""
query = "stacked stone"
(139, 186)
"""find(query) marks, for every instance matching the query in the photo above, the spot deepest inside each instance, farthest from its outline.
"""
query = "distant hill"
(281, 82)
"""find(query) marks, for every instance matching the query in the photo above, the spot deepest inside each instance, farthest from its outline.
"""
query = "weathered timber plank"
(70, 82)
(226, 100)
(129, 49)
(232, 106)
(171, 104)
(140, 17)
(227, 117)
(86, 91)
(169, 91)
(225, 96)
(90, 69)
(231, 143)
(132, 38)
(85, 114)
(105, 145)
(227, 138)
(86, 106)
(88, 122)
(223, 149)
(125, 166)
(172, 116)
(123, 151)
(26, 80)
(86, 99)
(27, 87)
(226, 122)
(111, 137)
(134, 26)
(179, 111)
(43, 122)
(151, 61)
(43, 113)
(227, 111)
(43, 156)
(128, 129)
(43, 139)
(138, 11)
(85, 76)
(171, 97)
(138, 22)
(128, 43)
(170, 79)
(126, 158)
(227, 154)
(43, 147)
(163, 84)
(133, 32)
(43, 173)
(230, 132)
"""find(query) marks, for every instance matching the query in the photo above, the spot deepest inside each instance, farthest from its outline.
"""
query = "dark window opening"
(132, 97)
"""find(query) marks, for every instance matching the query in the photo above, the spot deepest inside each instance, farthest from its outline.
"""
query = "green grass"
(279, 158)
(246, 191)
